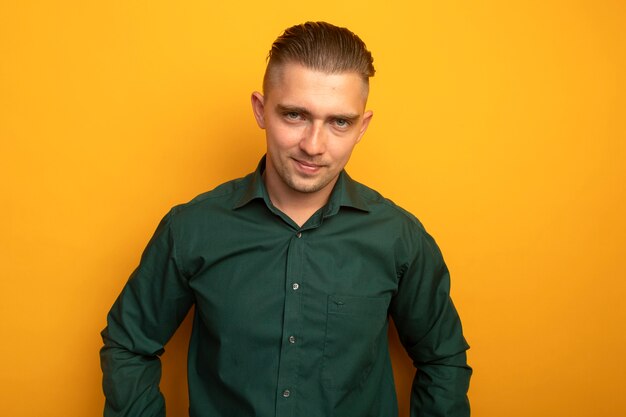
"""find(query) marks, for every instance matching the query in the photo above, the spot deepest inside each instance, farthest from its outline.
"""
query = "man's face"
(312, 122)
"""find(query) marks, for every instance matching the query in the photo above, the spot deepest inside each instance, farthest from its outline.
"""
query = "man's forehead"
(318, 94)
(278, 76)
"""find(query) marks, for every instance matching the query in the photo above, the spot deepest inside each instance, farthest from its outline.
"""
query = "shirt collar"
(345, 192)
(254, 188)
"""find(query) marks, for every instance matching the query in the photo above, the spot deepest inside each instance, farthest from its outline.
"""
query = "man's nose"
(313, 141)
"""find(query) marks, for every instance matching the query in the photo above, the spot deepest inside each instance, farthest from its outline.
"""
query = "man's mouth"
(307, 167)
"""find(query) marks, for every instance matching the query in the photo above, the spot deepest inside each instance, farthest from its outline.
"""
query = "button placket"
(289, 357)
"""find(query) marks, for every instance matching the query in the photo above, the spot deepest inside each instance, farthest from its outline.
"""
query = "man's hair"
(322, 47)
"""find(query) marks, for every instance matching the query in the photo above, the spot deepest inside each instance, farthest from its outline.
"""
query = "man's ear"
(367, 117)
(258, 108)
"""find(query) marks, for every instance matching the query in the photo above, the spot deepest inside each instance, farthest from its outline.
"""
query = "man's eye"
(342, 123)
(292, 115)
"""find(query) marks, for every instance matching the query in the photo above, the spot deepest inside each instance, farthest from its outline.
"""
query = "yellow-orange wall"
(500, 124)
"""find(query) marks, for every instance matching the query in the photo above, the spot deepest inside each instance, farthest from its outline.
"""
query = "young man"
(294, 270)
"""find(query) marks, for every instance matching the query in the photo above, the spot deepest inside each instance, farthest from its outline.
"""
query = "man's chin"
(307, 188)
(308, 185)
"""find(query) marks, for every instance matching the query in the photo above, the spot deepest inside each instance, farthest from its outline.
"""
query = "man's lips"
(306, 166)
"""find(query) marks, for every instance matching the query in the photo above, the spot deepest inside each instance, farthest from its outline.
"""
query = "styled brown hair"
(320, 46)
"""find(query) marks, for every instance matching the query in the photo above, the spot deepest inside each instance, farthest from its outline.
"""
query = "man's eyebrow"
(349, 117)
(285, 108)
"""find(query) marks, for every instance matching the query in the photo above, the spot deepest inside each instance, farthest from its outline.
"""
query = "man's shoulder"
(223, 196)
(397, 222)
(380, 205)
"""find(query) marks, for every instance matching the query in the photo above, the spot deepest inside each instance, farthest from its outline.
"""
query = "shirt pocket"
(355, 329)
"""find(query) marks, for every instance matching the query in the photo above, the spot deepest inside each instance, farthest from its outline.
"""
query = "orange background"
(501, 125)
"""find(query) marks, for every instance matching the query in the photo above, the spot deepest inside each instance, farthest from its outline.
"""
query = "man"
(294, 270)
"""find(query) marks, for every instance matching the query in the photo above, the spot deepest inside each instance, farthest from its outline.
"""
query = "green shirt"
(289, 321)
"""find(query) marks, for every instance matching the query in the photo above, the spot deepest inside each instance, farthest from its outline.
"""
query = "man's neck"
(298, 206)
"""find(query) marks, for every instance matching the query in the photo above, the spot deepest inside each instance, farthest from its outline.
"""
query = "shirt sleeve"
(148, 311)
(430, 330)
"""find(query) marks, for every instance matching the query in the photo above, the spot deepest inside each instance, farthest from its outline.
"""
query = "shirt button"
(295, 286)
(286, 393)
(292, 339)
(299, 235)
